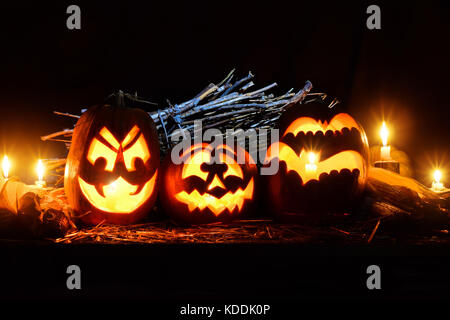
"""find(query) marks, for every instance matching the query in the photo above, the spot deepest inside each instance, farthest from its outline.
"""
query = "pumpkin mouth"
(330, 142)
(229, 201)
(119, 196)
(349, 160)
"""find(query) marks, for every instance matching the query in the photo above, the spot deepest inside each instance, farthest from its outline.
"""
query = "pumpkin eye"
(233, 169)
(193, 166)
(194, 170)
(130, 136)
(98, 150)
(304, 124)
(139, 149)
(108, 136)
(343, 120)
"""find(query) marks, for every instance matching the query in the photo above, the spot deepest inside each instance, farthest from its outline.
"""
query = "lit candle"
(386, 161)
(437, 185)
(6, 165)
(40, 173)
(311, 167)
(385, 149)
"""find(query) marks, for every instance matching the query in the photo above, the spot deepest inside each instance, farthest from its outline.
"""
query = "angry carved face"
(112, 164)
(112, 167)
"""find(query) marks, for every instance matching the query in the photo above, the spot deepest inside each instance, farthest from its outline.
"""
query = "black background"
(166, 50)
(173, 50)
(289, 277)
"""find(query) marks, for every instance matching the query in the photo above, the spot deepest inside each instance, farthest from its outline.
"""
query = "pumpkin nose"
(216, 183)
(119, 165)
(120, 156)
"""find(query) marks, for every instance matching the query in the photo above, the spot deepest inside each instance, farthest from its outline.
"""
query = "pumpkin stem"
(120, 99)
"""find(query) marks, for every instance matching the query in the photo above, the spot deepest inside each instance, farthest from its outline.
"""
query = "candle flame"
(6, 165)
(40, 170)
(312, 157)
(384, 133)
(437, 175)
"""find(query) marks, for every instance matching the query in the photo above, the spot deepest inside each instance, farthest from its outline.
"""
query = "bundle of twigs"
(227, 105)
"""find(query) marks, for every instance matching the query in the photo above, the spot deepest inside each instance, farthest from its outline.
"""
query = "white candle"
(437, 185)
(40, 173)
(385, 149)
(385, 153)
(6, 165)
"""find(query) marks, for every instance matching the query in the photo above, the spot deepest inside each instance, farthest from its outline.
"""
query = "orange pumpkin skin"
(197, 192)
(111, 172)
(334, 188)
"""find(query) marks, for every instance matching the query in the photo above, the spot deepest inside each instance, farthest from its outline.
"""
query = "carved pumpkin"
(208, 185)
(112, 167)
(323, 156)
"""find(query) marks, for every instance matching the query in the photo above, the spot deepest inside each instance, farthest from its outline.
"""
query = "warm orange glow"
(344, 160)
(40, 170)
(98, 149)
(312, 157)
(233, 169)
(305, 124)
(109, 137)
(437, 185)
(437, 175)
(384, 133)
(216, 183)
(119, 196)
(130, 136)
(192, 166)
(6, 165)
(138, 150)
(311, 166)
(217, 205)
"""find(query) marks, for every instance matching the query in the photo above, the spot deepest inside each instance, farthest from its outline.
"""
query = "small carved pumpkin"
(323, 156)
(112, 167)
(208, 185)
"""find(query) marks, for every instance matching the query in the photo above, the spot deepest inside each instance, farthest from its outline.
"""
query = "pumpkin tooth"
(99, 188)
(217, 205)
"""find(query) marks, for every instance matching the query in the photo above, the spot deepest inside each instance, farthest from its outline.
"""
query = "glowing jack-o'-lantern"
(112, 167)
(323, 158)
(208, 185)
